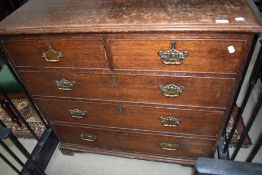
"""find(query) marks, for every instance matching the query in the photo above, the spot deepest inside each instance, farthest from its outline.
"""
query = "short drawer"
(134, 117)
(164, 145)
(190, 55)
(187, 91)
(53, 53)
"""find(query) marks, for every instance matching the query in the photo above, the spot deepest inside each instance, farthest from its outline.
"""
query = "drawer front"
(135, 142)
(188, 91)
(132, 117)
(193, 55)
(72, 53)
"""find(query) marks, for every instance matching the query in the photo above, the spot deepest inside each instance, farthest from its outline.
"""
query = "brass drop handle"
(170, 121)
(169, 146)
(51, 55)
(65, 85)
(77, 113)
(171, 90)
(173, 56)
(88, 137)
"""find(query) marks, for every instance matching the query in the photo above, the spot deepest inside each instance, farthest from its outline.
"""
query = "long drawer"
(188, 91)
(132, 116)
(164, 145)
(62, 52)
(187, 55)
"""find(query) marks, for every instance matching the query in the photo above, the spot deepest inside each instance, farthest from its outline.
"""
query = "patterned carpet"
(31, 117)
(240, 128)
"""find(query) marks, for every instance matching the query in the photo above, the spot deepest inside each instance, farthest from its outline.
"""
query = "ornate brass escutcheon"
(77, 113)
(171, 90)
(88, 137)
(65, 85)
(51, 55)
(170, 121)
(169, 146)
(173, 56)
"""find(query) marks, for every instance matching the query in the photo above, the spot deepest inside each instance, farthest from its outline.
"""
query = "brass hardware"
(77, 113)
(171, 90)
(170, 121)
(169, 146)
(125, 134)
(173, 56)
(113, 79)
(65, 85)
(88, 137)
(120, 109)
(51, 55)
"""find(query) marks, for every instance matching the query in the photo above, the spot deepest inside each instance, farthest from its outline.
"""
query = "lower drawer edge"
(174, 147)
(132, 155)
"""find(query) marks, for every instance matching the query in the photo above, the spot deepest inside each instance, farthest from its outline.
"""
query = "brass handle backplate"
(51, 55)
(88, 137)
(169, 146)
(65, 85)
(77, 113)
(173, 56)
(171, 90)
(170, 121)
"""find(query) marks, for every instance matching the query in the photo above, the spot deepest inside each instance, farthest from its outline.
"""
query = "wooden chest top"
(66, 16)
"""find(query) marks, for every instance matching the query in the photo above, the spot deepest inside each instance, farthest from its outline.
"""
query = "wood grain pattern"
(110, 51)
(134, 117)
(135, 142)
(60, 16)
(77, 53)
(204, 92)
(210, 55)
(132, 155)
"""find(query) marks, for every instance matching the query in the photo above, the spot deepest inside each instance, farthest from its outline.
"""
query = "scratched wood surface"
(58, 16)
(189, 147)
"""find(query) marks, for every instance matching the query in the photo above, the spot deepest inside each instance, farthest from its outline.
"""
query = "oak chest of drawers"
(142, 79)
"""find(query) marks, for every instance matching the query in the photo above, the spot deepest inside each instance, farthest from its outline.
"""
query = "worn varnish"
(198, 91)
(76, 53)
(93, 69)
(134, 117)
(61, 16)
(135, 142)
(132, 54)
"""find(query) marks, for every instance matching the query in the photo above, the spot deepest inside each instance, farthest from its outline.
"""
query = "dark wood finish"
(60, 16)
(205, 55)
(206, 92)
(77, 53)
(135, 142)
(132, 117)
(131, 155)
(110, 52)
(67, 152)
(19, 95)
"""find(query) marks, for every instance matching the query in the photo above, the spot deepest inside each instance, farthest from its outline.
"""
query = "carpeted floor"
(28, 113)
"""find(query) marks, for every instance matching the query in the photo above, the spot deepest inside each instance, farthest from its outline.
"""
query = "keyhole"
(120, 109)
(173, 45)
(124, 135)
(113, 79)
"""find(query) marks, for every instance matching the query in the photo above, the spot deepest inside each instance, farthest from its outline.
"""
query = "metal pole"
(253, 79)
(18, 114)
(2, 55)
(249, 124)
(9, 163)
